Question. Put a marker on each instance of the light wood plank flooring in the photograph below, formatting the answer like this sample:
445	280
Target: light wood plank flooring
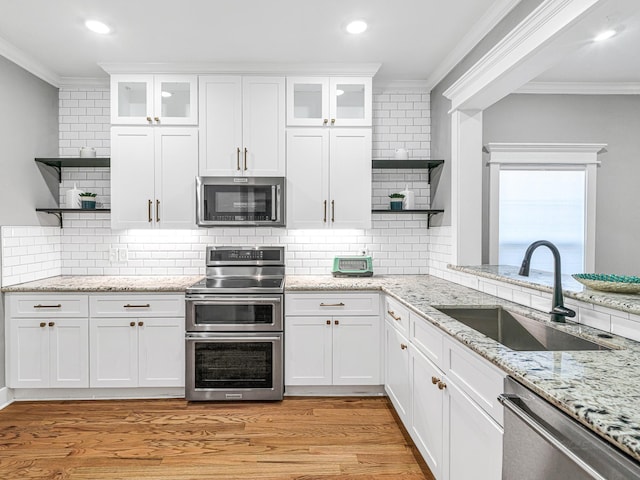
298	438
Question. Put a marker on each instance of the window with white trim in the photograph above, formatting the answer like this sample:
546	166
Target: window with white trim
543	192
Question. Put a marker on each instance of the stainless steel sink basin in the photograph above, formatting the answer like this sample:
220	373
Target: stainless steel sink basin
516	331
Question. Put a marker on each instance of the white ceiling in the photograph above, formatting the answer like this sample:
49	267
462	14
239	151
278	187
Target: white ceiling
412	39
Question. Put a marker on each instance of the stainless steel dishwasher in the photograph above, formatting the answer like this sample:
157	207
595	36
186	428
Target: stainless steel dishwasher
541	442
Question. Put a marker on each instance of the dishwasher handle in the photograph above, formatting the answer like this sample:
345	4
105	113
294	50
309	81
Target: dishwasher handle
508	400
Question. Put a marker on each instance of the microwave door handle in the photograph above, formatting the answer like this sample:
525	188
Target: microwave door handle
274	199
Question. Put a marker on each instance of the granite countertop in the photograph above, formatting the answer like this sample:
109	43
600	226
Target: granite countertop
601	389
543	281
106	283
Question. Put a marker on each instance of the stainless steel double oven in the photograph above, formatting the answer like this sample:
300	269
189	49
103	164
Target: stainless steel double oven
234	323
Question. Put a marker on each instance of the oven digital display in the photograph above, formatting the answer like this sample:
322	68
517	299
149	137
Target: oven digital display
244	255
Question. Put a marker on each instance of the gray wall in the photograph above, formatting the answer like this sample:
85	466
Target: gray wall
28	129
440	119
610	119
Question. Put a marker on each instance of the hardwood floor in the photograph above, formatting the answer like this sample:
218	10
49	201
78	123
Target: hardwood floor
298	438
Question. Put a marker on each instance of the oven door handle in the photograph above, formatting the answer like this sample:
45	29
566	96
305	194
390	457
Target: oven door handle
217	337
209	300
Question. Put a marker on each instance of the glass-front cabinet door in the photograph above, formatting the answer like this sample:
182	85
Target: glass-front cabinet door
154	100
329	101
307	101
350	101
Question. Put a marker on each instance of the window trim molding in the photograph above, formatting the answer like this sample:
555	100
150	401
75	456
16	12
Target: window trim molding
557	156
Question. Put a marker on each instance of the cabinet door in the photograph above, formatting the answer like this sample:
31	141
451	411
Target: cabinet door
113	347
132	177
351	101
307	101
220	99
69	353
28	351
356	350
307	178
474	442
161	352
307	351
397	372
131	99
350	178
176	168
263	122
427	402
175	100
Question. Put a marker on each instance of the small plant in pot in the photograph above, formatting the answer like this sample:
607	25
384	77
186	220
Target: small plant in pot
88	200
396	201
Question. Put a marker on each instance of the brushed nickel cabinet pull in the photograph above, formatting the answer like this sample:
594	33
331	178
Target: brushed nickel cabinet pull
333	211
245	158
238	158
332	304
52	324
146	305
141	324
132	324
157	210
43	324
324	219
47	306
149	210
393	315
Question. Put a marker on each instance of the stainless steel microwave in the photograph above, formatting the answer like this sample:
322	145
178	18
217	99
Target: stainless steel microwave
240	201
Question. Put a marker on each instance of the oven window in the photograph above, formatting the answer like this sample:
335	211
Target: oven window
234	365
251	202
212	314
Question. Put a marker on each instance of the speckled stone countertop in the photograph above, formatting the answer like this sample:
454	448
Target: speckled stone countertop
106	283
601	389
543	281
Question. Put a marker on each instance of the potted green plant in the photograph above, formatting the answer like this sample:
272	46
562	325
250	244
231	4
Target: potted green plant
396	201
88	200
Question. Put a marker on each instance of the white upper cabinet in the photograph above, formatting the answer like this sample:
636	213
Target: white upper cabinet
329	101
242	125
154	100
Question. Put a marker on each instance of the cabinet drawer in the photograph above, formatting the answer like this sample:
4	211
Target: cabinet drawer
474	375
332	304
396	314
427	338
47	305
137	305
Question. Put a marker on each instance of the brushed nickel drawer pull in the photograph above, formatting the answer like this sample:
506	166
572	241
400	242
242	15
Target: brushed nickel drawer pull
394	316
128	305
47	306
332	304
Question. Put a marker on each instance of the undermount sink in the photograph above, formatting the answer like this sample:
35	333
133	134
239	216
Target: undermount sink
518	332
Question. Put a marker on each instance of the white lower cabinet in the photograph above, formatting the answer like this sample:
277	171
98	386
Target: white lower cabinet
397	380
133	344
330	339
446	397
47	342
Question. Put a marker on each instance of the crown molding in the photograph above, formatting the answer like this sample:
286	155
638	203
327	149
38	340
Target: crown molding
401	85
498	10
581	88
91	82
547	20
544	153
307	69
27	62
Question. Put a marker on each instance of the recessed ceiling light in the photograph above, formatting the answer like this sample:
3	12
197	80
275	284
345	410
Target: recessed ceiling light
97	27
166	94
356	27
604	35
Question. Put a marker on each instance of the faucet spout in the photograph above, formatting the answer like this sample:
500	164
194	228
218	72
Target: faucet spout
558	310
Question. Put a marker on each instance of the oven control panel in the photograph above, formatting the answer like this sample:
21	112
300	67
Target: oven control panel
248	255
